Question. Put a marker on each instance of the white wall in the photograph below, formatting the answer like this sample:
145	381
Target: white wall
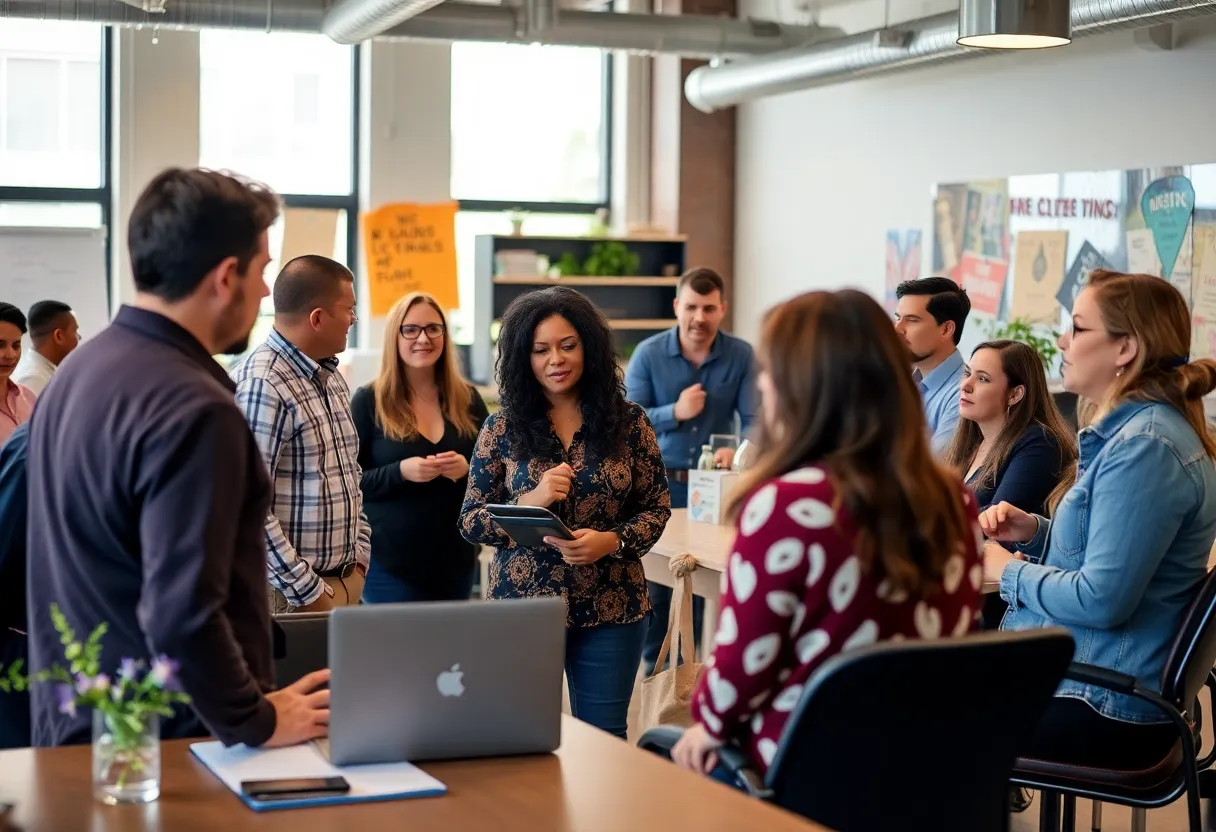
823	174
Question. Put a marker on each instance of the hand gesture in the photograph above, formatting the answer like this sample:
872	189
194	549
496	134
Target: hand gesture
587	547
724	457
554	486
454	465
421	468
690	404
1008	523
301	712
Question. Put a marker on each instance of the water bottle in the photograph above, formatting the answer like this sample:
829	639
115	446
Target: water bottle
706	462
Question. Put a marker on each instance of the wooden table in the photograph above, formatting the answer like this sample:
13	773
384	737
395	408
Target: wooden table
710	545
594	783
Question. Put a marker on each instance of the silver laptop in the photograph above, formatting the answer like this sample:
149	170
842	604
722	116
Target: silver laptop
434	681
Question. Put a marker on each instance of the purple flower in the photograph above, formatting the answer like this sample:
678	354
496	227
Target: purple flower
126	670
164	673
83	683
67	699
101	682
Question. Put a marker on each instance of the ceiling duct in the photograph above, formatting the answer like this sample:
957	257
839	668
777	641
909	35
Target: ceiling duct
354	21
687	35
932	41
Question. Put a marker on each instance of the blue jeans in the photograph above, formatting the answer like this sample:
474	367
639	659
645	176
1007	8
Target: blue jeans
601	667
383	588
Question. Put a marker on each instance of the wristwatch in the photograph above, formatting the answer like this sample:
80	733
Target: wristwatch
620	546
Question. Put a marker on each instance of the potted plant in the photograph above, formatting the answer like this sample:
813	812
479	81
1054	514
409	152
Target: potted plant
126	710
611	259
1041	338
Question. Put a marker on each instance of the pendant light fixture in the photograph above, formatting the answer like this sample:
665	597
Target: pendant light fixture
1014	24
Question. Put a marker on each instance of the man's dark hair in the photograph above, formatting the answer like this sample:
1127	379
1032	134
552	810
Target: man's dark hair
947	300
308	282
703	281
46	316
187	221
10	314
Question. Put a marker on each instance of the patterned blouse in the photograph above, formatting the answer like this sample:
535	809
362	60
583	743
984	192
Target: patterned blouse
625	493
796	595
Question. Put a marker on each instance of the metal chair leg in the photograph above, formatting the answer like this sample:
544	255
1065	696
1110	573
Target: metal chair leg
1096	823
1068	821
1049	811
1139	820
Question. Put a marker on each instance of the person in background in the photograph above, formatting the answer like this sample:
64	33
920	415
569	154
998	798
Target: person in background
417	423
289	388
147	495
17	403
14	705
1127	549
693	380
849	532
567	440
54	333
1011	442
930	315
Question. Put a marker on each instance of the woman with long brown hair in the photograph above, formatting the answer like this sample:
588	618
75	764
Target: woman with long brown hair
848	531
1127	548
1011	442
417	422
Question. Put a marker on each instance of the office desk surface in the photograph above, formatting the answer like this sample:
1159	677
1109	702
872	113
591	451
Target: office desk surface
594	783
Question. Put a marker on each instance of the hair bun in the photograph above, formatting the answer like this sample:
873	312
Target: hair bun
1198	378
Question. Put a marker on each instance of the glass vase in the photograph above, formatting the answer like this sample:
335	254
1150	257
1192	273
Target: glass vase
126	758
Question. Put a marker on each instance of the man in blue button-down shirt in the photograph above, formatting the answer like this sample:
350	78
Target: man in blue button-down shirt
929	318
693	381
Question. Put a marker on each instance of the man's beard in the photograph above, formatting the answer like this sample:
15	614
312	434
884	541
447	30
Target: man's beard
238	347
241	343
916	359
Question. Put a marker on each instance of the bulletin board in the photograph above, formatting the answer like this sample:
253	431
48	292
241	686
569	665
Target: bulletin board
1024	246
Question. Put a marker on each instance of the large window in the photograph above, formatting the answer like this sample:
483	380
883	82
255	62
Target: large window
282	109
530	124
54	108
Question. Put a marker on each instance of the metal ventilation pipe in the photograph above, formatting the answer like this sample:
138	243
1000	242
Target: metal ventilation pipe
927	41
687	35
354	21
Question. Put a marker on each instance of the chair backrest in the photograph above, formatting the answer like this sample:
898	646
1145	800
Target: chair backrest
1194	650
306	643
918	734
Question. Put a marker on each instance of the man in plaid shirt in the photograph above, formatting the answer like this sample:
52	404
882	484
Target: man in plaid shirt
298	405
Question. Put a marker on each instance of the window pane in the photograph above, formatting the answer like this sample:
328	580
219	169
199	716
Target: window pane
527	123
50	104
469	224
278	108
51	214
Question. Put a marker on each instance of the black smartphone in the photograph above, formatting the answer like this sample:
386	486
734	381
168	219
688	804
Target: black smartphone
292	788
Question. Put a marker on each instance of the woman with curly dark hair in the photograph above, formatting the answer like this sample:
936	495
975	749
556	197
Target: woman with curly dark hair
566	439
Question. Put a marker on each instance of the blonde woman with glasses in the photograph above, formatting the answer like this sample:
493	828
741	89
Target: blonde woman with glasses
417	423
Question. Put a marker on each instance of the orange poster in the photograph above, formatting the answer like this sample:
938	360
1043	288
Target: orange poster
411	248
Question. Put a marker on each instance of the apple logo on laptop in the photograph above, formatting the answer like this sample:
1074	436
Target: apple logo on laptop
449	681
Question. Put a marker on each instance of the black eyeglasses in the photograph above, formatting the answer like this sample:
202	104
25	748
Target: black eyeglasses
410	332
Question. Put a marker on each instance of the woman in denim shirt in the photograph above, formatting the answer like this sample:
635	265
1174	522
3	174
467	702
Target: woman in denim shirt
1128	546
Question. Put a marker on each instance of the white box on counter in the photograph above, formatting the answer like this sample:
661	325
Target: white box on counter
709	493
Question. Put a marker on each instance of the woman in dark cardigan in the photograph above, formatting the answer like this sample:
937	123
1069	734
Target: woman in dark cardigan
417	423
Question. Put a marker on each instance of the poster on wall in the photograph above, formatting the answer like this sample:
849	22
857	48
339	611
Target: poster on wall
949	208
1039	258
984	280
1087	259
987	225
1203	313
1166	206
1142	252
903	261
411	248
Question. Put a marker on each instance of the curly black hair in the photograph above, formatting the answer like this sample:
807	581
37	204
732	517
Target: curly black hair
601	388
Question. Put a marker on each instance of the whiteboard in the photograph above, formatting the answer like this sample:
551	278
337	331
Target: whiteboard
64	264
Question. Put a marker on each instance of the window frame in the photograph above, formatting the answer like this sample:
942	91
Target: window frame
103	195
490	206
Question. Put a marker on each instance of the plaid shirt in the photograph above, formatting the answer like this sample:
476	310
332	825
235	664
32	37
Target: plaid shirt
299	411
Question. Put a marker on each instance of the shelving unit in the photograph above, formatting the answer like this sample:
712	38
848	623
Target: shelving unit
636	306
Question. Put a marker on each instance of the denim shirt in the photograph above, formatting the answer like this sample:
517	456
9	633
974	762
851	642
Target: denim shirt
657	374
1125	554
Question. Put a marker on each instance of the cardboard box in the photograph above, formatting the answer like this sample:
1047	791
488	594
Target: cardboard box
709	493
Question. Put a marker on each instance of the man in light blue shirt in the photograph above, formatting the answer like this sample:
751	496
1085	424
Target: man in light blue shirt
929	317
693	380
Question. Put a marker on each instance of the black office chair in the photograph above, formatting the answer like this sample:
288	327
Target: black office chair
1188	668
909	735
304	648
